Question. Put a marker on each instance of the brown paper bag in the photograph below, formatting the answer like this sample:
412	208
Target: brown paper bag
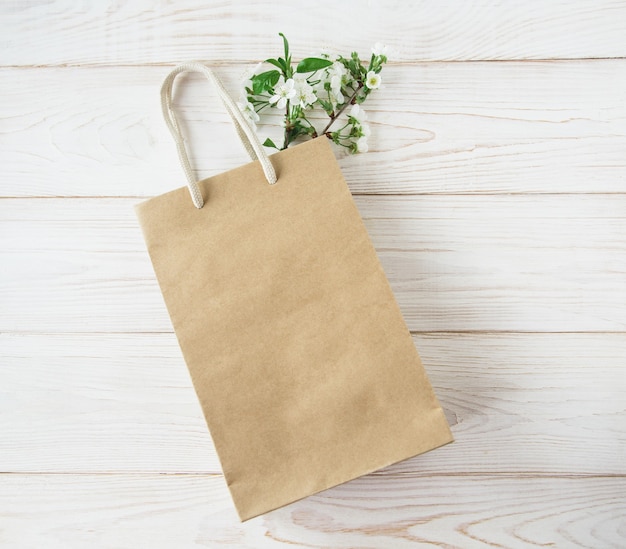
305	370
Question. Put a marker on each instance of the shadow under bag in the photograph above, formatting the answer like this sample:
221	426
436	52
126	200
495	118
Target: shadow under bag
305	370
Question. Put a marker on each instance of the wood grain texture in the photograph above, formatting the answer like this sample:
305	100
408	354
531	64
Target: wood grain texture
107	32
454	263
124	402
193	511
494	192
534	127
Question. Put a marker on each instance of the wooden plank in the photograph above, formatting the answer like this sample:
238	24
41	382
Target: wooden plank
376	511
455	263
533	403
134	32
102	440
533	127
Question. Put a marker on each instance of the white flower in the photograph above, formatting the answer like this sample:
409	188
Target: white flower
335	89
373	80
361	128
257	69
358	113
361	145
337	68
298	78
336	76
304	93
283	92
381	49
247	78
249	113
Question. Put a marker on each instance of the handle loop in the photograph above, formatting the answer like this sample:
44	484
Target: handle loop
246	134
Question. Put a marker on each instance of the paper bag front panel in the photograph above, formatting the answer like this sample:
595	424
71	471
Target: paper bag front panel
305	370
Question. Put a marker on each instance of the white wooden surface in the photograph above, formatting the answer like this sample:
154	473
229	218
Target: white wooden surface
494	192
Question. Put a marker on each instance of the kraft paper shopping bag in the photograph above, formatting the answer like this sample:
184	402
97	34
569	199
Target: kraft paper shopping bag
305	370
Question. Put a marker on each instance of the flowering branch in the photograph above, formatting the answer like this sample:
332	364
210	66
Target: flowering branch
331	84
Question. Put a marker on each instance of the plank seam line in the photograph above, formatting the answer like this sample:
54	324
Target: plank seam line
373	194
239	62
413	332
515	475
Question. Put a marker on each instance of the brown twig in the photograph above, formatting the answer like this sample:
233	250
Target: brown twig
343	108
285	143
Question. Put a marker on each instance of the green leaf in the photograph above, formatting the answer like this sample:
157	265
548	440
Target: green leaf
285	44
269	143
264	81
311	64
280	63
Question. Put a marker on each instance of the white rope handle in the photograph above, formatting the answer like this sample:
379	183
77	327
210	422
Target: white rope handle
247	135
